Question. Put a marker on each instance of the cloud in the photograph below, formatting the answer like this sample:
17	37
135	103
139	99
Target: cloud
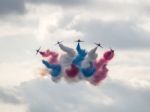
8	96
130	65
119	24
15	48
117	34
13	73
117	93
111	96
12	6
118	27
11	101
64	3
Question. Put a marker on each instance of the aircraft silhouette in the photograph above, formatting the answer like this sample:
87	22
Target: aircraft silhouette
112	49
79	41
98	45
59	42
38	50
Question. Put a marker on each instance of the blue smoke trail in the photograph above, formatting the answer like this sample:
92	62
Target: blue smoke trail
80	57
56	68
89	71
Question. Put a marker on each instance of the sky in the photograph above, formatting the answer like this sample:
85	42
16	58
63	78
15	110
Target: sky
120	24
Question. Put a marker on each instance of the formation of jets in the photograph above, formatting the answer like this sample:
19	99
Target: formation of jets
78	41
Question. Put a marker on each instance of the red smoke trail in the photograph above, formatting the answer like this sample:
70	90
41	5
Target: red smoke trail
52	56
45	53
72	72
101	67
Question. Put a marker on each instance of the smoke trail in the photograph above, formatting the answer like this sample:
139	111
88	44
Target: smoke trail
68	50
72	73
45	53
88	68
101	67
53	59
43	72
51	56
76	66
80	56
66	59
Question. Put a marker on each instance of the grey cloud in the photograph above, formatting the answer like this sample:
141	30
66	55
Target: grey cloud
43	95
117	34
8	96
19	6
126	98
61	2
12	6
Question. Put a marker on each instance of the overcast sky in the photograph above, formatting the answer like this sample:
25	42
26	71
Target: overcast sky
121	24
